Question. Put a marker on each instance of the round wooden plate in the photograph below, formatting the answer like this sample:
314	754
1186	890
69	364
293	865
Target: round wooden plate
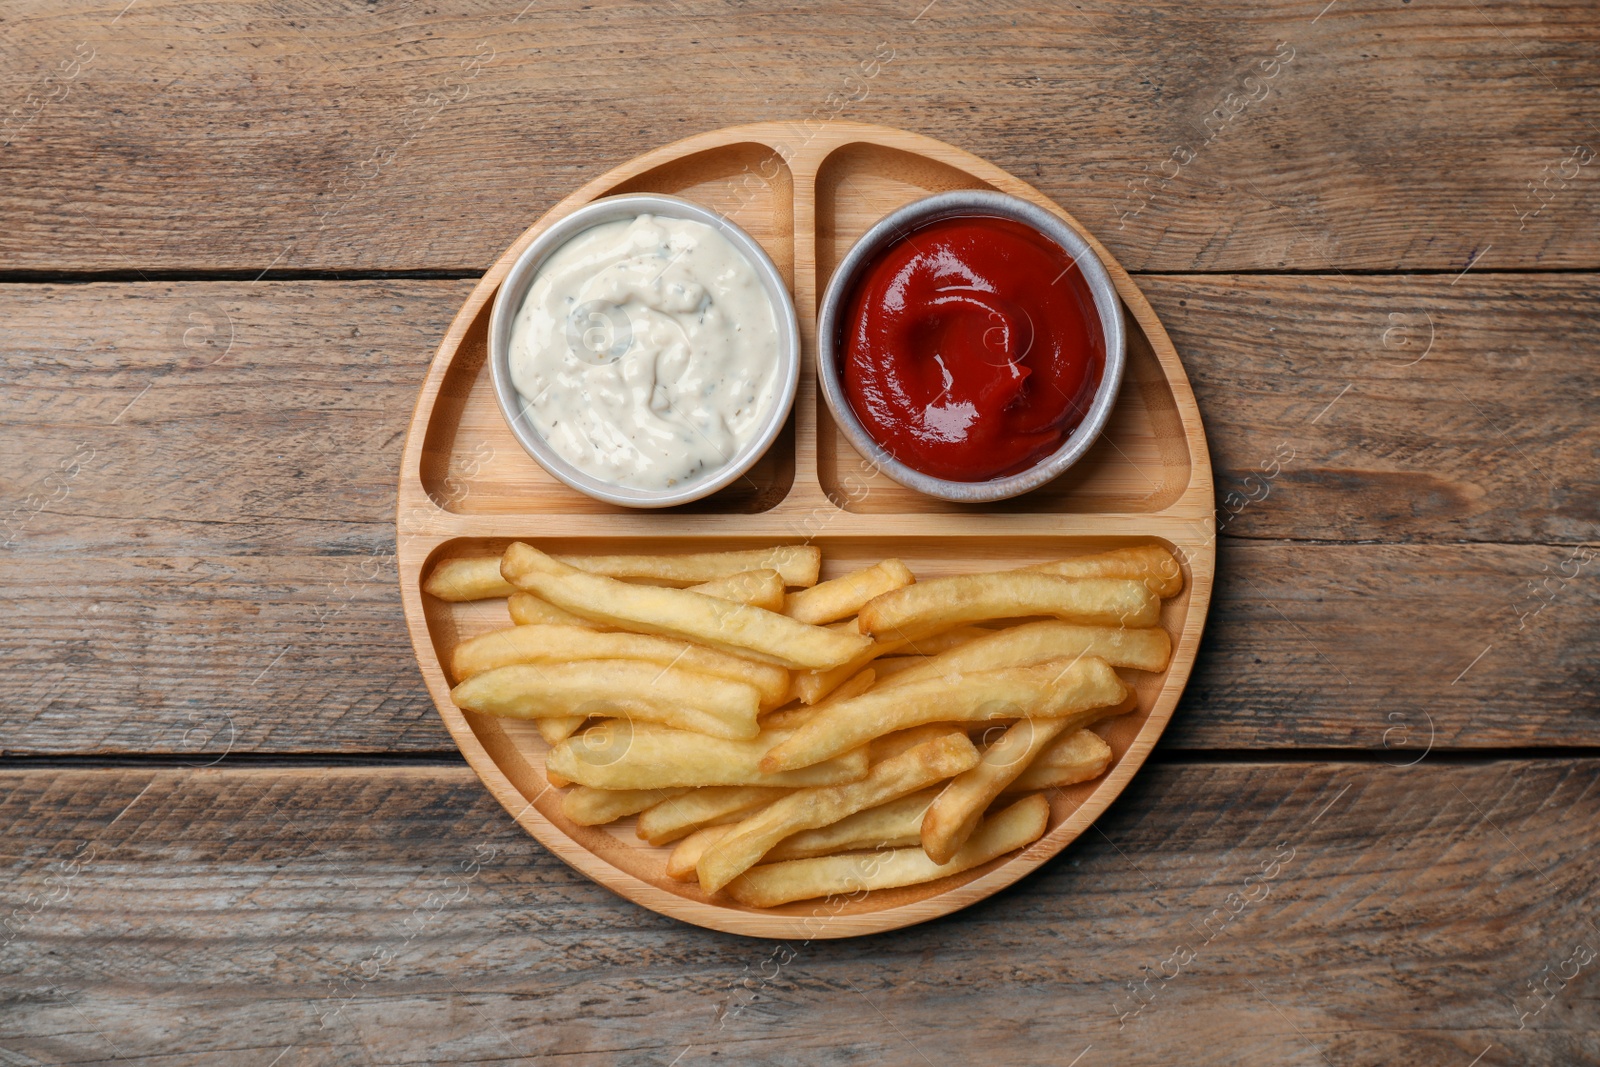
467	488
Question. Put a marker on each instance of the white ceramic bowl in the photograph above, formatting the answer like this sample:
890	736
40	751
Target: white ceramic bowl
508	301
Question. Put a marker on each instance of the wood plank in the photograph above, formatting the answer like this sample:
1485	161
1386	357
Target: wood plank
1367	136
1398	409
1396	648
1308	913
232	531
1391	648
216	467
1486	438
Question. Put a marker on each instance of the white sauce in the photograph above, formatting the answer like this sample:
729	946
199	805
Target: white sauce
646	351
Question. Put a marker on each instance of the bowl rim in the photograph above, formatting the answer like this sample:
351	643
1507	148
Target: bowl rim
952	204
513	290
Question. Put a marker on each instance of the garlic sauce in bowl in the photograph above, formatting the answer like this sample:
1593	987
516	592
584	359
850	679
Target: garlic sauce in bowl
648	356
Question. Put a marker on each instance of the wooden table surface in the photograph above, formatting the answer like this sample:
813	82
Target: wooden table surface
234	828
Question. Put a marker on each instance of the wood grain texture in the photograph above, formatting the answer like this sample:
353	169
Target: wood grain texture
391	915
1398	409
373	136
242	508
209	473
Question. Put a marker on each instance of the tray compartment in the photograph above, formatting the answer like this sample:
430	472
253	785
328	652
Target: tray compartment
471	462
1141	462
519	751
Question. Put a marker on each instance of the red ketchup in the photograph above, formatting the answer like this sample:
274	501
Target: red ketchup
971	348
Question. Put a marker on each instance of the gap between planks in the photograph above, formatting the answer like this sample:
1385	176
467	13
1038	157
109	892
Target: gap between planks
168	274
443	759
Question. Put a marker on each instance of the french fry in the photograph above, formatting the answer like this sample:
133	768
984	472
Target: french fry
954	814
685	856
596	807
890	745
798	564
943	603
838	598
806	809
935	644
557	728
738	628
1075	690
772	884
673	696
619	754
1153	565
764	589
789	718
529	610
1072	758
892	666
561	644
760	588
467	578
715	805
813	686
1036	642
897	824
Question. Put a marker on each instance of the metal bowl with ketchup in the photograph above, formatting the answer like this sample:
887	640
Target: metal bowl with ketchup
970	345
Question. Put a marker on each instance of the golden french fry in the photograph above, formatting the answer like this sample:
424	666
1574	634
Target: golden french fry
943	603
1153	565
954	814
714	805
1036	642
1074	690
889	745
467	578
596	807
764	589
772	884
812	686
789	718
686	854
897	824
619	754
893	666
561	644
738	628
1072	758
557	728
840	597
761	588
687	700
529	610
798	564
556	780
806	809
944	641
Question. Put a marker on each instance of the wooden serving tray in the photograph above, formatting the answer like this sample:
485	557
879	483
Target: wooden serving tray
467	488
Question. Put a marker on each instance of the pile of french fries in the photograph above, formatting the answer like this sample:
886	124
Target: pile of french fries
795	739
